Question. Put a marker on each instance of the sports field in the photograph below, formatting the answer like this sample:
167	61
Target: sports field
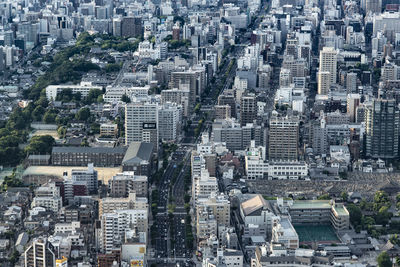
315	233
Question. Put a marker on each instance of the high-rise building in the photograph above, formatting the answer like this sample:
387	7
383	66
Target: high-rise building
248	109
351	82
324	82
283	138
228	98
141	117
40	254
382	129
328	62
353	101
131	27
169	121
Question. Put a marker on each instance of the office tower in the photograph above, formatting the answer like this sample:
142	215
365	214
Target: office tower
382	129
131	27
40	254
353	101
328	62
351	82
8	38
373	6
248	109
324	82
141	117
88	177
2	59
169	121
283	138
122	184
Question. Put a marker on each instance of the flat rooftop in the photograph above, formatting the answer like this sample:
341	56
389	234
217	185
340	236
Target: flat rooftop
311	204
341	210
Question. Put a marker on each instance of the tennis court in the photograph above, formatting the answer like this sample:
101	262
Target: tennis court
316	233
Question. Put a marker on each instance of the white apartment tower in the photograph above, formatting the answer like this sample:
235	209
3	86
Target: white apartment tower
139	115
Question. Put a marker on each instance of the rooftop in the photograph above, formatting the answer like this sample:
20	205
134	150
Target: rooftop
311	204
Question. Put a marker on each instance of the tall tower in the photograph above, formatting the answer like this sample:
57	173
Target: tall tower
328	62
353	101
141	118
283	138
248	109
382	129
373	6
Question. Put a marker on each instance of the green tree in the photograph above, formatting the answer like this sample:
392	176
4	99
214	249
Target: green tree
355	214
50	116
40	144
324	197
125	98
344	196
37	113
83	114
384	260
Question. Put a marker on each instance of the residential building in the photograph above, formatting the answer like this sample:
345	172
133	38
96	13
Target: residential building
39	254
111	204
122	184
89	177
382	119
328	62
283	138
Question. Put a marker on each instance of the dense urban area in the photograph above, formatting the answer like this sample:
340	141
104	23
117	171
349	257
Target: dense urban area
212	133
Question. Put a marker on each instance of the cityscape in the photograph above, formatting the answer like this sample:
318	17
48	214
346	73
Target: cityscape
199	133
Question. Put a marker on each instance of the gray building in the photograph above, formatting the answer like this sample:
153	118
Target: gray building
82	156
382	119
139	158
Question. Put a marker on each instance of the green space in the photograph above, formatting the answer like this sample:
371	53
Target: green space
311	233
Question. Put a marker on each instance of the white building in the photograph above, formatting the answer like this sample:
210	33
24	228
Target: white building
169	121
89	177
284	233
204	185
83	88
48	196
138	113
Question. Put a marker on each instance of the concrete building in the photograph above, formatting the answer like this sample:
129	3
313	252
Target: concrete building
218	205
82	156
382	129
139	114
283	138
324	82
328	62
222	112
83	88
48	196
139	158
305	212
353	101
248	109
122	184
39	254
203	186
89	177
111	204
169	121
284	233
109	129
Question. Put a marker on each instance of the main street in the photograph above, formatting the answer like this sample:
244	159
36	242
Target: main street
165	250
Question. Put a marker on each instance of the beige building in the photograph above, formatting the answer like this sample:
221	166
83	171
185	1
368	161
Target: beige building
328	62
108	129
219	206
122	184
110	204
